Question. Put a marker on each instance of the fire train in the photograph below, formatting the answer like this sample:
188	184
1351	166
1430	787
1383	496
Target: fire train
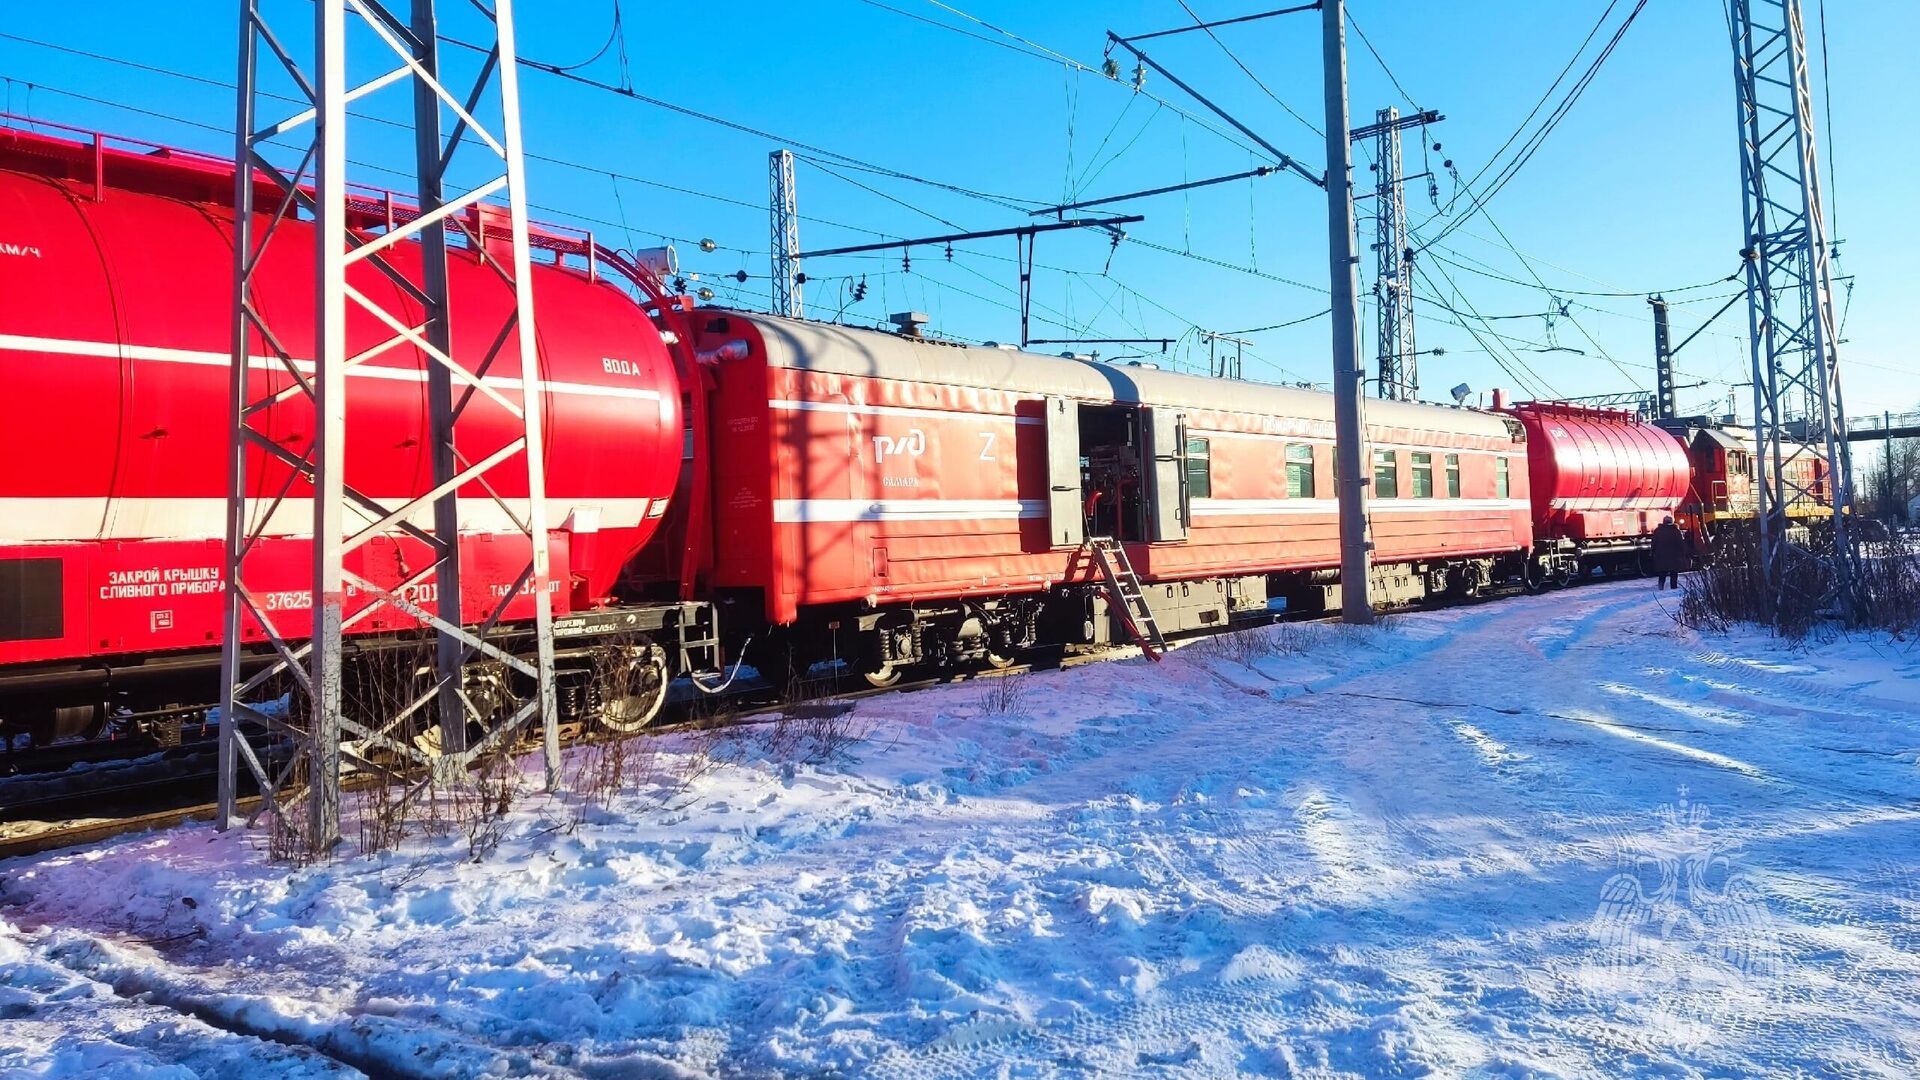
718	480
1722	500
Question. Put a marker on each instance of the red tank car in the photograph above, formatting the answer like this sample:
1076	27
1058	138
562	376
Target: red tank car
930	501
1602	480
116	269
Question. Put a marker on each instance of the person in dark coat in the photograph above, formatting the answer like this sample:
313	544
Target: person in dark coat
1669	553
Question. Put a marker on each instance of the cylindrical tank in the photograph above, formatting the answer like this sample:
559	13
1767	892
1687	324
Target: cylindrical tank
115	330
1599	475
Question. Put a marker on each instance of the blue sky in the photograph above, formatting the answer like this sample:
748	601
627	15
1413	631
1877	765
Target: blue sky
1637	189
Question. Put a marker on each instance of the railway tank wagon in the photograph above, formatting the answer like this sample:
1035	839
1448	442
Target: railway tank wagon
896	501
114	360
1602	481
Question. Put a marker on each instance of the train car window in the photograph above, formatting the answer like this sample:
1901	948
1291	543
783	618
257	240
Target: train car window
1386	474
1500	486
1199	469
1299	472
1422	475
1453	476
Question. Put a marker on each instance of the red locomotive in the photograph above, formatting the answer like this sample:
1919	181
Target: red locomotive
1722	500
832	493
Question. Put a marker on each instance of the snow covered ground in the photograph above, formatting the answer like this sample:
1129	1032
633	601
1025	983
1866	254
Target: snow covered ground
1551	836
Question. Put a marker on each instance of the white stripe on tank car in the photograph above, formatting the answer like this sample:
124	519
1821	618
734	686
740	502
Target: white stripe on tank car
110	350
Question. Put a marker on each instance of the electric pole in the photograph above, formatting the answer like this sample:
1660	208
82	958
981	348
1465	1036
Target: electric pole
1664	406
787	279
1392	263
1349	376
322	360
1796	362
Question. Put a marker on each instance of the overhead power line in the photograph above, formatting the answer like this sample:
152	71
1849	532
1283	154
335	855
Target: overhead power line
1533	142
1014	42
1377	58
221	84
1231	55
1579	292
1322	313
733	125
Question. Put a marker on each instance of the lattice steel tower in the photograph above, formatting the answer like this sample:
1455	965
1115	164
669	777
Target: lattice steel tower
1789	293
785	219
397	312
1393	269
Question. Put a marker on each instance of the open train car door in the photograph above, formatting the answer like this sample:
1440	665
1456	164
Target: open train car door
1169	502
1066	521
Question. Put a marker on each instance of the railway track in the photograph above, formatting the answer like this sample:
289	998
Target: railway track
91	812
98	804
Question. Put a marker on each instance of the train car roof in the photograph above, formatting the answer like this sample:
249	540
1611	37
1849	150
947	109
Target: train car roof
845	350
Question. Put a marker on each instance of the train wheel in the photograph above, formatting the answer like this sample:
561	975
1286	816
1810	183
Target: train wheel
999	662
67	722
1534	577
882	677
634	689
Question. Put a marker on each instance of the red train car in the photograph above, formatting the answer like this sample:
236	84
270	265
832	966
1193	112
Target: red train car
930	500
1721	497
1602	480
114	354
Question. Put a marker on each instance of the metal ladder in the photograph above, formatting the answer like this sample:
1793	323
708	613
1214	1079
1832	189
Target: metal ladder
1123	586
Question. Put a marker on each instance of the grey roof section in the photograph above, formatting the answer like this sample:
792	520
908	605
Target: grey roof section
1725	439
843	350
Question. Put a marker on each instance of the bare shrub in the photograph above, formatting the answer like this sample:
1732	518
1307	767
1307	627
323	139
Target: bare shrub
1249	647
1806	599
381	817
1003	695
484	806
381	687
605	768
815	733
1889	585
287	839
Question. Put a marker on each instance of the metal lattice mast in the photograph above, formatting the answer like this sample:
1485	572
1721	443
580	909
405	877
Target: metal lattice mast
1392	282
785	217
399	311
1789	288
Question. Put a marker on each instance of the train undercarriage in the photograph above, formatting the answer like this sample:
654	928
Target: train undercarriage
612	666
